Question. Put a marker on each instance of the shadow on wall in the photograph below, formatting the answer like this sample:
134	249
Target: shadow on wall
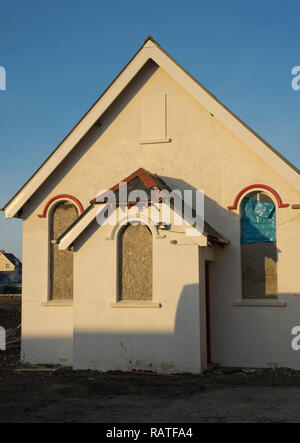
173	347
174	351
259	259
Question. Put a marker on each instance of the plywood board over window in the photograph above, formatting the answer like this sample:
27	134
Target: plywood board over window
259	270
258	247
61	262
154	118
135	263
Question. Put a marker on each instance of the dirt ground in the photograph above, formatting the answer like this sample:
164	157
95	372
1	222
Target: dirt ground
62	395
271	396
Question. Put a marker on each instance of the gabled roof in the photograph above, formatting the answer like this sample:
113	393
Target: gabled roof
152	50
155	190
10	258
142	180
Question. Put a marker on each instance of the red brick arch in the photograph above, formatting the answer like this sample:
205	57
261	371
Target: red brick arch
257	186
61	197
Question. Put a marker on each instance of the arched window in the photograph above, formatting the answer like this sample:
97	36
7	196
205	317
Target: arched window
135	263
258	246
61	262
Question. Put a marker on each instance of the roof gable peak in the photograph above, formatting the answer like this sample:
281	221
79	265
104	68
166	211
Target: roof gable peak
147	178
152	50
149	38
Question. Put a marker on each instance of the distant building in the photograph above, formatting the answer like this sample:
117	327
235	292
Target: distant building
10	268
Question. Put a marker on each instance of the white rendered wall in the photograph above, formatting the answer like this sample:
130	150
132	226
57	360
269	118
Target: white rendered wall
203	154
165	339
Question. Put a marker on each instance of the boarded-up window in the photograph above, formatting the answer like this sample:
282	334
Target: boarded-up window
135	263
61	262
258	246
155	116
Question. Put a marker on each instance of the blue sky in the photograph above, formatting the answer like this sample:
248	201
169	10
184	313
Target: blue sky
60	55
